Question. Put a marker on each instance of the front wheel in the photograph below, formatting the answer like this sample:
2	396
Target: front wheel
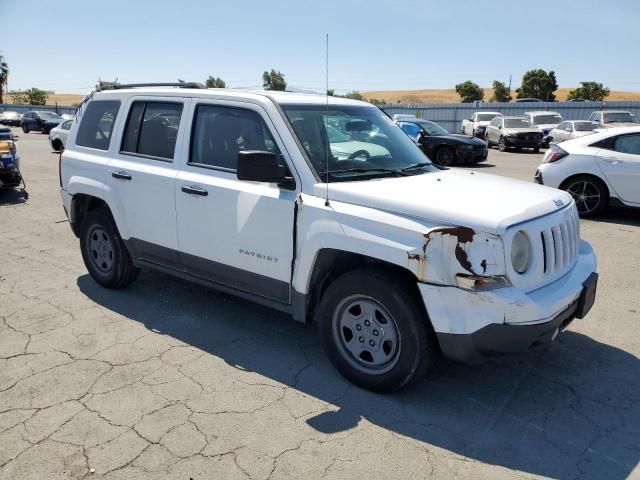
104	253
445	156
25	129
377	337
502	144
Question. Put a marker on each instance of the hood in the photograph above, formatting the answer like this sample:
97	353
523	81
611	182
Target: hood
509	131
344	149
459	138
484	202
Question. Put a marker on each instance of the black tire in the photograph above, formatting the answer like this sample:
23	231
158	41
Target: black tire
589	187
502	145
416	346
57	145
536	150
115	269
25	129
445	156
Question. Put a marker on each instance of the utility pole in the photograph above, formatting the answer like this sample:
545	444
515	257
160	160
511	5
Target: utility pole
509	85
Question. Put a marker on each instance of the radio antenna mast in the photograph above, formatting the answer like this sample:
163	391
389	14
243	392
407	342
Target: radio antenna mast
326	122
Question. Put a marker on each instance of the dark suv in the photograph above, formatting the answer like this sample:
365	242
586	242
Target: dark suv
40	121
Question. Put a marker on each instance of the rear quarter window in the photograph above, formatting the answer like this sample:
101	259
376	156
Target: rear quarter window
96	124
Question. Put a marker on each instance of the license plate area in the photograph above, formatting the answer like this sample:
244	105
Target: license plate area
588	295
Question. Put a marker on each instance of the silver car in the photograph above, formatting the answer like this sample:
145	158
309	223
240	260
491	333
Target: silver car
59	135
614	118
572	129
516	132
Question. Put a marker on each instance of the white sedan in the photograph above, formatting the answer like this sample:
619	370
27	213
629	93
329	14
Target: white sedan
59	135
570	129
597	170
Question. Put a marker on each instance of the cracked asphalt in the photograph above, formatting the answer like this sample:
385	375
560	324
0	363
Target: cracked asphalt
169	380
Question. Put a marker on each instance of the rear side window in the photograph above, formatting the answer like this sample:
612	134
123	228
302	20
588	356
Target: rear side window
628	144
152	129
97	124
219	133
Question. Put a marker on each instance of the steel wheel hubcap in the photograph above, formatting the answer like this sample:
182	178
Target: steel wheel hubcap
366	335
586	195
100	249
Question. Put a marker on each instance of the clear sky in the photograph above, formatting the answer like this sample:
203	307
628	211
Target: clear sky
65	45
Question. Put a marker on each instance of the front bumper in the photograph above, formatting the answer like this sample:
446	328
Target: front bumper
472	326
472	156
522	142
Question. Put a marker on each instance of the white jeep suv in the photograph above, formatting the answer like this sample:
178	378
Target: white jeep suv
395	259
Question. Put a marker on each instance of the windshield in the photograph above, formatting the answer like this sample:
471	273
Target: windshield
517	123
49	116
487	117
433	128
547	119
585	126
620	117
362	142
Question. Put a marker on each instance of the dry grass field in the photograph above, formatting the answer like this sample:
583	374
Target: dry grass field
450	95
389	96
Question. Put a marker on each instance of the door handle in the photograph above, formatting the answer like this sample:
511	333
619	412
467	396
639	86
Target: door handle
194	191
615	161
121	175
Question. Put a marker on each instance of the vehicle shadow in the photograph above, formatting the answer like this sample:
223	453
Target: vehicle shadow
570	412
618	215
13	197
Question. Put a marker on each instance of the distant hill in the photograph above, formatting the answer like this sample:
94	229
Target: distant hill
450	95
63	99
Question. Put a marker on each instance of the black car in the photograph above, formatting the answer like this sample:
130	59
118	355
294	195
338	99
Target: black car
442	147
40	121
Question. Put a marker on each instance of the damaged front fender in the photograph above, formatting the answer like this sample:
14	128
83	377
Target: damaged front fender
449	251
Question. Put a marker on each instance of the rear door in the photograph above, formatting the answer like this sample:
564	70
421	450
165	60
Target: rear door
232	232
142	174
620	163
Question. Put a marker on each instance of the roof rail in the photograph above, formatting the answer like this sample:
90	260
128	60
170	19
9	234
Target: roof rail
119	86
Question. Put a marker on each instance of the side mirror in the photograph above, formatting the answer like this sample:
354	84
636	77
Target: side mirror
260	166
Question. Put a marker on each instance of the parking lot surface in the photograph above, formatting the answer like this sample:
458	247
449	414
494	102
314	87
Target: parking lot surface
170	380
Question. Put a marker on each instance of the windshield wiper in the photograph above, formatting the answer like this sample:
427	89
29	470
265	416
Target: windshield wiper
365	170
414	166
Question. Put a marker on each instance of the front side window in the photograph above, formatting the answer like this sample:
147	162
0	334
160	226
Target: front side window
219	133
152	129
375	145
96	124
628	144
66	125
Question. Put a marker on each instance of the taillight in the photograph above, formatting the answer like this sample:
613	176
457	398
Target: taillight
554	154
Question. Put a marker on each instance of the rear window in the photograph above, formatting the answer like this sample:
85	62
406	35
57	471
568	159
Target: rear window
96	124
152	129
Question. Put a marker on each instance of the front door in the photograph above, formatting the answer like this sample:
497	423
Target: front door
621	166
232	232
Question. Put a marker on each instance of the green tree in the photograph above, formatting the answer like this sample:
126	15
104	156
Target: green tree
331	92
593	91
33	96
4	76
354	95
538	84
376	101
500	92
469	91
215	82
273	80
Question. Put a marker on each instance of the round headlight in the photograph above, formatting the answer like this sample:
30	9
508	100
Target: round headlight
520	252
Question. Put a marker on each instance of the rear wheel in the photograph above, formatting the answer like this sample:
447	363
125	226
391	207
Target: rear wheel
57	145
104	253
536	150
377	337
25	129
590	194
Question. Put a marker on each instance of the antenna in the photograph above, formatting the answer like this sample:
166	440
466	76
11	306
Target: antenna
326	120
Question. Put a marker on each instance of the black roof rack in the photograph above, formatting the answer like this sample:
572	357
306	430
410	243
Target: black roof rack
119	86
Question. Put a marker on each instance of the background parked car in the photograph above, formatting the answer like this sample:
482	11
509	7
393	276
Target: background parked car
11	119
614	118
442	147
40	121
59	135
477	124
68	116
545	122
572	129
517	132
528	100
598	169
